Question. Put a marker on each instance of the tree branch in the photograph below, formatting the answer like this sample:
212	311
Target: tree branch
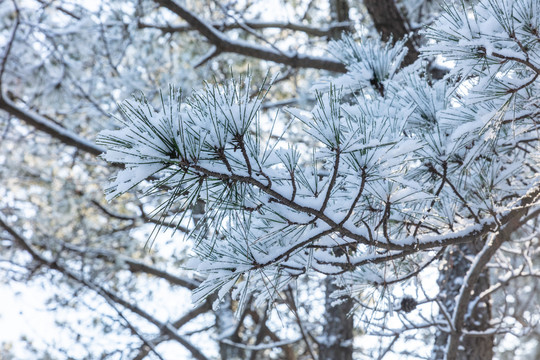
259	25
225	44
134	265
56	131
490	248
146	348
469	234
143	216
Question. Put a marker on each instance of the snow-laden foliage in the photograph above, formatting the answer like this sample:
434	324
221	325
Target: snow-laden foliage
403	164
369	62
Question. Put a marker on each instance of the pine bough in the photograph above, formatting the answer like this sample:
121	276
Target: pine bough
401	167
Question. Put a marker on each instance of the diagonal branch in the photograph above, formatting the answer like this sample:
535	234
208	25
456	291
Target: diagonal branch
224	26
146	348
56	131
135	266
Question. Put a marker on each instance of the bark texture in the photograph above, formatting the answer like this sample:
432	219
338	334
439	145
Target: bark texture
339	13
390	23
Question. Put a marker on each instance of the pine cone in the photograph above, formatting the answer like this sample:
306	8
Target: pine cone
408	304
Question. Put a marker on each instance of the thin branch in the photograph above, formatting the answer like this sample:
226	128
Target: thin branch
258	25
133	328
259	347
412	273
201	309
294	309
247	28
389	347
332	182
62	9
212	53
144	216
134	265
525	62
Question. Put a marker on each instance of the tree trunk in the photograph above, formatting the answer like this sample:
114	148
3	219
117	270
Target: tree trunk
390	23
453	268
337	340
339	13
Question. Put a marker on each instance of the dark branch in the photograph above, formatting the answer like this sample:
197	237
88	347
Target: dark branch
258	25
107	294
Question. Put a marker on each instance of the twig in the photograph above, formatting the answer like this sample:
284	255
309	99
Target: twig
259	25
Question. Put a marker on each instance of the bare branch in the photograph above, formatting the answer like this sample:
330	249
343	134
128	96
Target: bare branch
143	216
258	25
134	265
146	348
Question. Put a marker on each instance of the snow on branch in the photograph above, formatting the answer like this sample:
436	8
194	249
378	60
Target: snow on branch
400	165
